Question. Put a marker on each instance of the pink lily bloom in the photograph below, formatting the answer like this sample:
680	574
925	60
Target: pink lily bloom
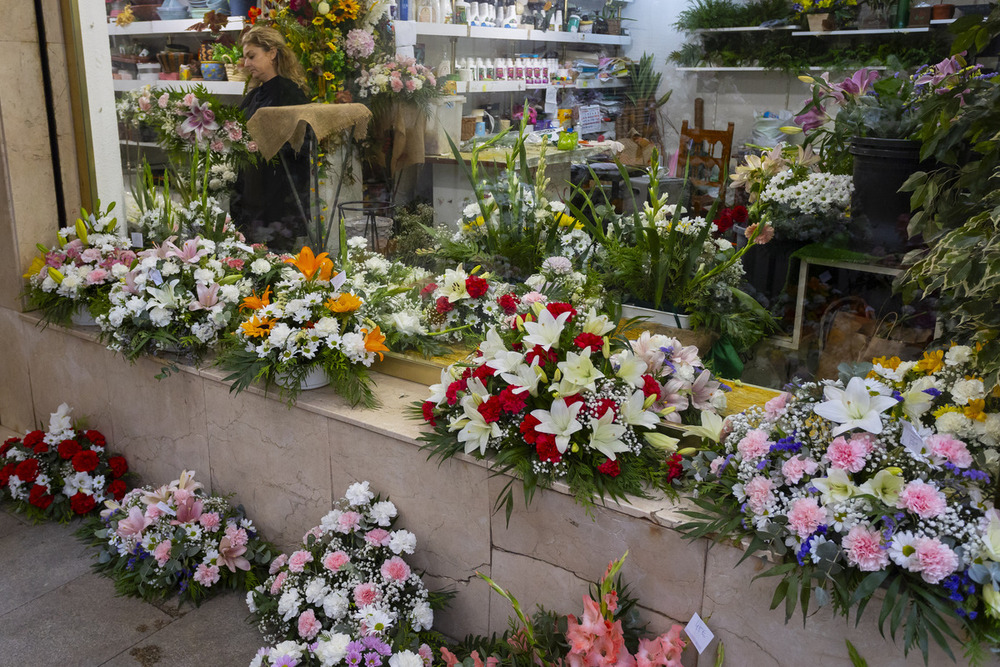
199	121
208	296
134	524
188	253
188	511
232	557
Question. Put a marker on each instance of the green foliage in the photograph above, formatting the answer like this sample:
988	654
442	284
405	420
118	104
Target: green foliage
411	236
703	14
644	82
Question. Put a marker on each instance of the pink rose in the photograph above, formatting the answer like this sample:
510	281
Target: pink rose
336	560
145	104
252	146
933	559
847	455
206	575
277	563
209	521
366	594
795	467
297	561
309	627
235	133
758	493
954	451
163	100
804	516
278	581
865	549
396	569
922	499
753	445
377	537
162	552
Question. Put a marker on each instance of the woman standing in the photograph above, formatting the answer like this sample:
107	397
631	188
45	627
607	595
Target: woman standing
270	204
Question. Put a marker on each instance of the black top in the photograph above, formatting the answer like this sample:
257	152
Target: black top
265	204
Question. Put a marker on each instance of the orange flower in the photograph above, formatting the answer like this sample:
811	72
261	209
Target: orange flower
974	410
255	302
311	265
374	342
258	328
345	303
931	362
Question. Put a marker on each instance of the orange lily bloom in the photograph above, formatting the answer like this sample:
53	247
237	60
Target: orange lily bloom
319	266
255	302
345	303
375	342
258	328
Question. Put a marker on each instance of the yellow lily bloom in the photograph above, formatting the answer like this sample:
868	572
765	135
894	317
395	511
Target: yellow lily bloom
37	264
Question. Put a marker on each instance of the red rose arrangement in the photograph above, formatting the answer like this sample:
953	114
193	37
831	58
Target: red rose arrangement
62	473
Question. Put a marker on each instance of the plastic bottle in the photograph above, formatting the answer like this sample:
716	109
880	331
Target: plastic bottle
461	15
509	64
445	13
473	15
404	10
425	12
499	70
480	70
902	14
519	69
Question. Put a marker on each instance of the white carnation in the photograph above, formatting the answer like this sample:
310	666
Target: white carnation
402	541
383	512
359	494
406	659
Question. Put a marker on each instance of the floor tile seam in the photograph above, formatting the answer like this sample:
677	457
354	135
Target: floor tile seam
46	593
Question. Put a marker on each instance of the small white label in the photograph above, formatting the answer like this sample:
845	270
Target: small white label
911	439
699	633
136	239
165	508
155	276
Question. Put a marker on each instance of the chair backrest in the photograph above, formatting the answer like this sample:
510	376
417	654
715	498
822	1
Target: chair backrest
705	154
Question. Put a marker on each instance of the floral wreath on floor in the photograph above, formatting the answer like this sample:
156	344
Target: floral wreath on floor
885	482
548	400
311	320
346	592
60	474
177	539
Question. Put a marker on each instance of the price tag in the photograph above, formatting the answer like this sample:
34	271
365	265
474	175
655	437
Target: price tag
155	276
136	239
911	439
699	633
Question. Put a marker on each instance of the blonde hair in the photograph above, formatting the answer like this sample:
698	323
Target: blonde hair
286	63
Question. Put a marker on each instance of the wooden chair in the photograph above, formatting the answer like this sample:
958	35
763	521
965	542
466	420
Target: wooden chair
705	155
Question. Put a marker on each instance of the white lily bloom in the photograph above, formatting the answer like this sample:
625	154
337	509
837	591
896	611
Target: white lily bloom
836	486
560	421
546	331
453	285
492	345
606	436
597	324
476	433
506	361
631	368
854	407
633	413
523	378
578	373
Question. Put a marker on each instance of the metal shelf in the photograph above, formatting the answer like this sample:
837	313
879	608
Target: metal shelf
166	27
878	31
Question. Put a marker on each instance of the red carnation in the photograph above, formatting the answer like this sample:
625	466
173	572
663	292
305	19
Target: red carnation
27	470
96	438
41	448
68	449
467	373
484	372
443	305
40	496
573	398
609	468
674	467
557	308
546	448
81	503
650	386
118	466
585	340
509	303
5	473
476	286
542	355
7	444
117	489
490	409
33	438
428	410
527	428
605	404
453	389
739	214
511	402
427	291
85	461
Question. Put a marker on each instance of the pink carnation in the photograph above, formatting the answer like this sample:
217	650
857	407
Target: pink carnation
716	464
378	537
297	561
336	560
426	654
795	467
775	407
804	516
235	133
758	492
922	499
533	297
865	550
206	575
278	563
217	146
163	100
396	569
145	103
153	512
278	581
162	552
410	86
366	594
396	83
237	536
754	445
846	454
315	531
90	255
348	522
933	559
252	146
309	627
947	447
209	521
866	440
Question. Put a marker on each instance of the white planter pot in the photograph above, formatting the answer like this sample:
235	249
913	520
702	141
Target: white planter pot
314	379
81	317
667	319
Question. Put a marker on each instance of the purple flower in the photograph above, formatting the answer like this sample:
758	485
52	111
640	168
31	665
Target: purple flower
285	661
811	119
855	85
198	121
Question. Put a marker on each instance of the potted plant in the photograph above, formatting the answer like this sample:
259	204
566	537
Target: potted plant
641	111
824	15
230	56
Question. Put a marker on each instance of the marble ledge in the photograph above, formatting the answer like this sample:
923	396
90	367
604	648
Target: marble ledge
389	421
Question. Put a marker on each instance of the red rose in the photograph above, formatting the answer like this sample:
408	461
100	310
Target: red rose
85	461
527	428
7	444
739	214
33	438
509	303
40	496
442	305
5	473
118	465
723	222
557	308
81	503
490	409
476	286
68	449
27	470
428	409
117	489
511	402
650	386
96	438
609	468
427	291
585	340
546	448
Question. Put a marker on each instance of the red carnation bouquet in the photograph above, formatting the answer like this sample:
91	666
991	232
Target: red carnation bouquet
62	473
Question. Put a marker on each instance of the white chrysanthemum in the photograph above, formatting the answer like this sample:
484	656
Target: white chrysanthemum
260	266
952	422
292	649
327	326
335	605
289	604
330	650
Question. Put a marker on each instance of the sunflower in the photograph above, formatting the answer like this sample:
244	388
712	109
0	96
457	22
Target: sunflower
346	10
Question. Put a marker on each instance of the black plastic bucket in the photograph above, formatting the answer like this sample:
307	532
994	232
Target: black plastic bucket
878	209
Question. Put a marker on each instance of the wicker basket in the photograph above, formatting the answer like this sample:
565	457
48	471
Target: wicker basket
171	61
234	73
